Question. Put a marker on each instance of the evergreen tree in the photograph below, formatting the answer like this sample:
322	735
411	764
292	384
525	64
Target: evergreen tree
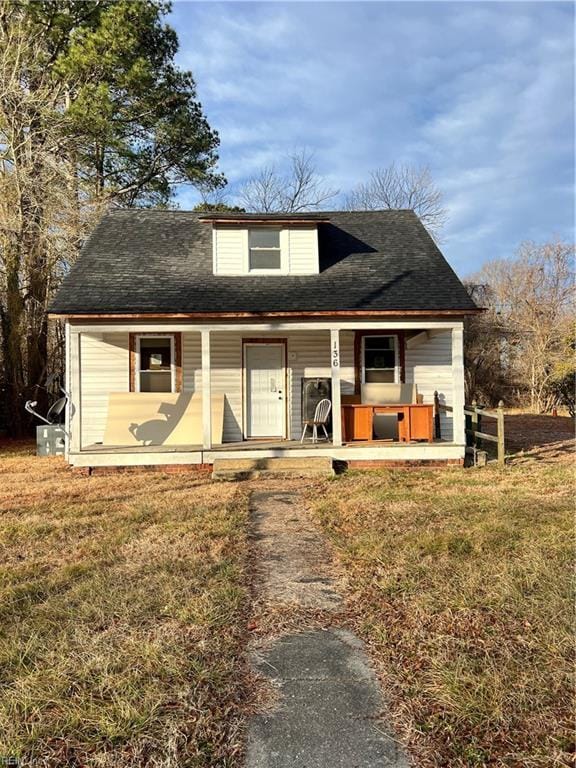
93	113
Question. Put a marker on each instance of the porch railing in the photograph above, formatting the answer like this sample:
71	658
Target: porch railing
476	413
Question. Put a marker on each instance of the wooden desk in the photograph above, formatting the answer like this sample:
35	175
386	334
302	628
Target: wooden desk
415	421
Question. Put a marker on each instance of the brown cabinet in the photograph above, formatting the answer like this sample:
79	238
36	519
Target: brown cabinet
421	422
357	422
414	421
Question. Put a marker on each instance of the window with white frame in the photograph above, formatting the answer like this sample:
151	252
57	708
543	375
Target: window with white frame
379	359
264	250
156	368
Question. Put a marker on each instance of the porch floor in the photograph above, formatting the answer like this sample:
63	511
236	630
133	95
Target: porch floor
384	450
251	445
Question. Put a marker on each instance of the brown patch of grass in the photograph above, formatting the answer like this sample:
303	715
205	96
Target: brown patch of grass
123	607
271	621
460	586
535	437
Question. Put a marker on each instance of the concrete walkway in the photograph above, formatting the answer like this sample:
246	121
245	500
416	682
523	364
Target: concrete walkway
329	710
293	559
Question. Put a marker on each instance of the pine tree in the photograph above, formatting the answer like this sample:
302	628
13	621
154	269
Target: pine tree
93	113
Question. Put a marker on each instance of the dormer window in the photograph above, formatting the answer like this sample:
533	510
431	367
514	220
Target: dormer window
265	243
265	254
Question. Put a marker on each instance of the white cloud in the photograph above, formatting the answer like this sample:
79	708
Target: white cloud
482	92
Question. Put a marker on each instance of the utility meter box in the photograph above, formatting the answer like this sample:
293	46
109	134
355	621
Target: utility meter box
50	440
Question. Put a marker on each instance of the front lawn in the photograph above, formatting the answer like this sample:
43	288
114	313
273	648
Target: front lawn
460	583
122	603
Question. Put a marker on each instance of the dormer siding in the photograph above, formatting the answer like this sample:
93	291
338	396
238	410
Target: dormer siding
230	250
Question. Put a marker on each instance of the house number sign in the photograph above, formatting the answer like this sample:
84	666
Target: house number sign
335	355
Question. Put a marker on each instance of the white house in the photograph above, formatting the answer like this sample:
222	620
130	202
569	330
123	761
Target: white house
191	337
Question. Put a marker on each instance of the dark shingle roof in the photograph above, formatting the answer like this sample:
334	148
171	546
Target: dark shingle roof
156	261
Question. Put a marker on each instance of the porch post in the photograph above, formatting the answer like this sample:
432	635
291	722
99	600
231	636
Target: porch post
74	382
335	369
206	392
458	425
67	387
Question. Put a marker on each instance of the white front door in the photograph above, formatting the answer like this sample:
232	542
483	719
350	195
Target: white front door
265	398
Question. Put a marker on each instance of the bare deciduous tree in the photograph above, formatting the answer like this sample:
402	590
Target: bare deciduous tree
530	310
485	377
403	186
300	189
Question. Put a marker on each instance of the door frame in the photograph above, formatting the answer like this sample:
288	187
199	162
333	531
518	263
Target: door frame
274	341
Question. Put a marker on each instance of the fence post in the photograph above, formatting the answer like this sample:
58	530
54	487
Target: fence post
437	434
501	444
475	441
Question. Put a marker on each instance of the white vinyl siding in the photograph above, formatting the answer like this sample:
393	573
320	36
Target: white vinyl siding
429	366
191	362
226	375
229	246
308	356
312	352
105	368
303	251
299	251
226	378
104	361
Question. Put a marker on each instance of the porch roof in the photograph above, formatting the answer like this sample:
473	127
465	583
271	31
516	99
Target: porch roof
158	261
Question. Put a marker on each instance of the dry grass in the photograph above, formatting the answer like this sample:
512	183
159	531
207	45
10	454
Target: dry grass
123	607
461	586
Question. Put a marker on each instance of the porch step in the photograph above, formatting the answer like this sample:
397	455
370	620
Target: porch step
248	469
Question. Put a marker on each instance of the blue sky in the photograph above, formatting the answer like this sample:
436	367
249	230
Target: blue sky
483	93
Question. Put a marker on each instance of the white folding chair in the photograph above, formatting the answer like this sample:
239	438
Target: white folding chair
320	419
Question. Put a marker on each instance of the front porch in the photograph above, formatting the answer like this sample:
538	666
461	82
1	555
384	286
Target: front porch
244	385
99	455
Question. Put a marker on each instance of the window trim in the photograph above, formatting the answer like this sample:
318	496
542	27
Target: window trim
396	367
175	360
358	354
283	249
139	370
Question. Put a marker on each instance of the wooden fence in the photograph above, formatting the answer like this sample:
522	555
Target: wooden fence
477	413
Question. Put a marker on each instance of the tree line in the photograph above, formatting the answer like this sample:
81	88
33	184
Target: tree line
301	188
95	113
522	348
